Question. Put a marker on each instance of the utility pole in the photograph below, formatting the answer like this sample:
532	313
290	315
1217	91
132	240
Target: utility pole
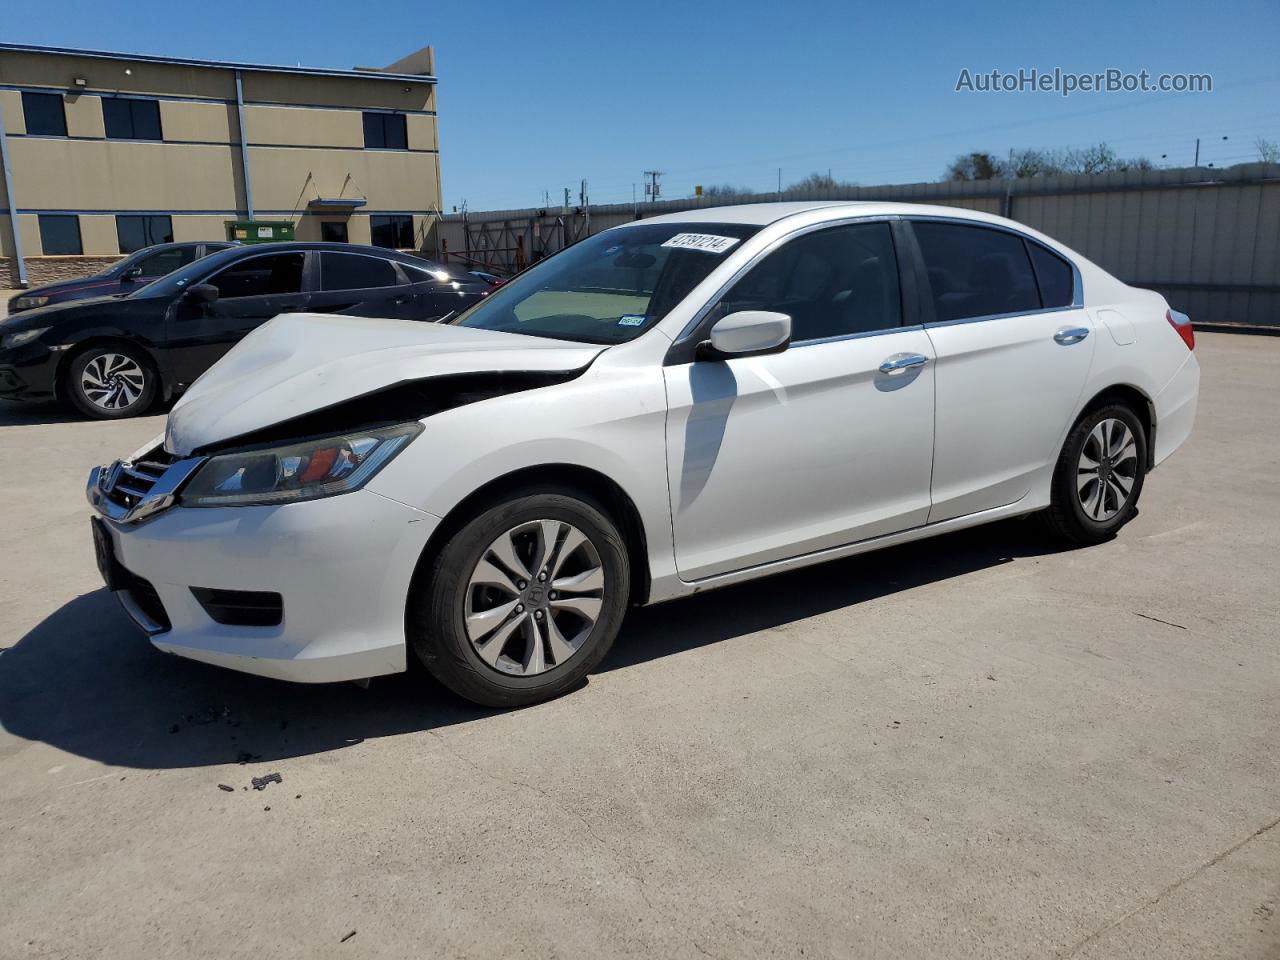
1197	163
653	189
586	210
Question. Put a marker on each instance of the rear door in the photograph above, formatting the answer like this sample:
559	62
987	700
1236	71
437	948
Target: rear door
1013	351
361	285
251	291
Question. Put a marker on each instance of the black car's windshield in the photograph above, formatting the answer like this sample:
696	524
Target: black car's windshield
609	288
172	284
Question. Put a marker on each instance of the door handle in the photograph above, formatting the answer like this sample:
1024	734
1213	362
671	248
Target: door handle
1070	335
903	361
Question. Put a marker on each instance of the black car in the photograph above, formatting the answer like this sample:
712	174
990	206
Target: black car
126	276
111	357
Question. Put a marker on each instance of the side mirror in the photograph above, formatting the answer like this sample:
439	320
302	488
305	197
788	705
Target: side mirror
747	333
133	273
203	293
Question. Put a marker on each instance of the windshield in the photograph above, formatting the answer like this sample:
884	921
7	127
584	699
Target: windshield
609	288
172	284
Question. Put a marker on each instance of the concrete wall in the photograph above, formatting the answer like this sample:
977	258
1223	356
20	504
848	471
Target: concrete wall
1209	240
305	141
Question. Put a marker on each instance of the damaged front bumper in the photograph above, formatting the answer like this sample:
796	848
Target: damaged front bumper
340	568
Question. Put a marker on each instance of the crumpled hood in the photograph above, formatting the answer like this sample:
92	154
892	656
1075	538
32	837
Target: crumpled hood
301	362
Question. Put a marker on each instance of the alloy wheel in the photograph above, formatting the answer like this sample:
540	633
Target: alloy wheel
1107	469
112	381
534	597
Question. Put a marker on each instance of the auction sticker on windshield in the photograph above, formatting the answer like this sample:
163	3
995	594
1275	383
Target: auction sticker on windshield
706	242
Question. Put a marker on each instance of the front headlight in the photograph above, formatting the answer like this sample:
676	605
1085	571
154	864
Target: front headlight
27	303
11	340
300	471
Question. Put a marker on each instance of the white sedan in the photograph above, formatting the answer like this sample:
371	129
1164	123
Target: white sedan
666	407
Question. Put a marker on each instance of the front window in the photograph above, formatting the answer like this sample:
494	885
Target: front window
612	287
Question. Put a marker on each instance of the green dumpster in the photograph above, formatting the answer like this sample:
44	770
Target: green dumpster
259	231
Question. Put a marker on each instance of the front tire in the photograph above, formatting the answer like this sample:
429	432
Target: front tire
1099	476
523	601
111	382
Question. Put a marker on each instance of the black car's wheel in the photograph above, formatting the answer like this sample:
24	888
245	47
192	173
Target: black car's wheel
522	601
111	382
1099	476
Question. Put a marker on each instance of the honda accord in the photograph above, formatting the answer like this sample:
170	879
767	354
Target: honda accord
666	407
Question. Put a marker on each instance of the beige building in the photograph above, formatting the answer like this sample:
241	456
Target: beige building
106	152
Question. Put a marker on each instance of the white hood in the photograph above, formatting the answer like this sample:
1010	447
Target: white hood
300	362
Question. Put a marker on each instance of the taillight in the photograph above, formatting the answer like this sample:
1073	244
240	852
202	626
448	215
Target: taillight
1183	327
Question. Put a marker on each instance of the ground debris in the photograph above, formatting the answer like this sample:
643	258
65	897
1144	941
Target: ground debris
229	789
347	937
260	783
1167	623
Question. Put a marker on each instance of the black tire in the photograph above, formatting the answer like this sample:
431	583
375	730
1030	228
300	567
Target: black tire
1067	517
435	619
108	405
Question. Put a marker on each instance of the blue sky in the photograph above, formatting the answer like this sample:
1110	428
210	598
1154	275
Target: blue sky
536	96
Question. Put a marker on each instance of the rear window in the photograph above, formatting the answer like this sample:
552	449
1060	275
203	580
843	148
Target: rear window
976	271
349	271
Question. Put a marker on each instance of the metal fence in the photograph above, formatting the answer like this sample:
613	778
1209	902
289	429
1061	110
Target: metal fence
1208	239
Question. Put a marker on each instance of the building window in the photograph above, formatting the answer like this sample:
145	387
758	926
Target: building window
136	232
60	234
127	119
385	131
331	231
393	230
44	114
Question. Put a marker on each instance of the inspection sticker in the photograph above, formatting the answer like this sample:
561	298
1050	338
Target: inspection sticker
706	242
631	320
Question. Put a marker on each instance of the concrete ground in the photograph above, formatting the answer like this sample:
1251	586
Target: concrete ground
970	747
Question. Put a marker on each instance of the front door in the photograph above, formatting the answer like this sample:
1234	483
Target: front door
821	445
250	292
1013	355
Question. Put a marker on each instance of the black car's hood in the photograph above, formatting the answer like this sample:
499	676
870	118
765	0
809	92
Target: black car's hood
67	310
83	285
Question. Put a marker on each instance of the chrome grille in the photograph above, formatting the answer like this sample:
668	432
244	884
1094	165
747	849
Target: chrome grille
135	480
126	491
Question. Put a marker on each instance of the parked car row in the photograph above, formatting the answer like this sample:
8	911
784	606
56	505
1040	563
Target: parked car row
136	337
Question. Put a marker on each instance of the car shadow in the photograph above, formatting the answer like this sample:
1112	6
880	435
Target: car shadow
19	414
85	681
721	615
40	413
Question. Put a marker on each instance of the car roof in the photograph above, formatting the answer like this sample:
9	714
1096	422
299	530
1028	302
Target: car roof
284	246
762	214
186	243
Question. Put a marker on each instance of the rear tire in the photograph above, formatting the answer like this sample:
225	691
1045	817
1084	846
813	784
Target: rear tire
1099	476
523	601
111	382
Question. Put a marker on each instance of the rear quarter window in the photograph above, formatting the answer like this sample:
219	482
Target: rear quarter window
1056	278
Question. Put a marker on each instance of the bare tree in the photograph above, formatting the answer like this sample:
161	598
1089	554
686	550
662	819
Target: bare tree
982	165
1268	150
725	191
819	181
